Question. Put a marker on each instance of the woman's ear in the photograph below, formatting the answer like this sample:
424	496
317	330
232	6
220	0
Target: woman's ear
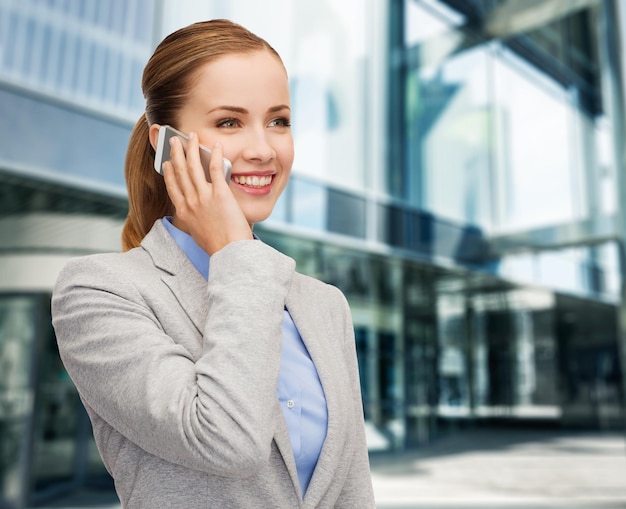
153	134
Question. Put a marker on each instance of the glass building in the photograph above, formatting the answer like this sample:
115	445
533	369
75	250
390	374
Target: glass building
458	175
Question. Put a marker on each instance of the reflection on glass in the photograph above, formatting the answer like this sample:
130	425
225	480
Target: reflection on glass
420	355
91	150
428	19
391	387
84	52
534	138
309	204
17	337
452	365
56	417
452	141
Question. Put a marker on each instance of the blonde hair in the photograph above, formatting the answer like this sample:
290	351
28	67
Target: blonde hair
167	80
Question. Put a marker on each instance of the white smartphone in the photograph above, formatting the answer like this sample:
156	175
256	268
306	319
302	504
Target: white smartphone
163	152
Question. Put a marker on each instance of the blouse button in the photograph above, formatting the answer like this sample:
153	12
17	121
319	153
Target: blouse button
291	403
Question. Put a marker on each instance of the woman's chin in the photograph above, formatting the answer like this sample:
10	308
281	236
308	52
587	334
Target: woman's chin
256	214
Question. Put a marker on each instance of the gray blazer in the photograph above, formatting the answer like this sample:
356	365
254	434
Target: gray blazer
179	377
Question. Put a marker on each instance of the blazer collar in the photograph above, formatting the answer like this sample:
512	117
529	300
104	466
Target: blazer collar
183	279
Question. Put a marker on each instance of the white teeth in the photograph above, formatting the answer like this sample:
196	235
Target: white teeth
253	181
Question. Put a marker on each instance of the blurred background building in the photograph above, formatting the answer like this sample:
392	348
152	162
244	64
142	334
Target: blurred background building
459	174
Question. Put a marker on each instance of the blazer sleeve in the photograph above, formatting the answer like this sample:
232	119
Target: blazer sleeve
357	491
214	414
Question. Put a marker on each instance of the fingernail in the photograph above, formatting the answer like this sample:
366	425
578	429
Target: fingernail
218	144
192	135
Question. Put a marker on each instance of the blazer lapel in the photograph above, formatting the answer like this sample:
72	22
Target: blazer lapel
179	274
283	443
317	339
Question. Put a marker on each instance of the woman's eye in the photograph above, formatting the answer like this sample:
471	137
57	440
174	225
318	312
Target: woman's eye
280	122
227	122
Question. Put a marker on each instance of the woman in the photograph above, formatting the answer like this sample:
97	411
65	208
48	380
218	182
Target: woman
230	387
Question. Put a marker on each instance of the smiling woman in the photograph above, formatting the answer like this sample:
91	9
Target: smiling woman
214	82
199	353
246	97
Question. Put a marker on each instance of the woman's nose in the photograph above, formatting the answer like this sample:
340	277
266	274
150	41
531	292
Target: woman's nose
258	147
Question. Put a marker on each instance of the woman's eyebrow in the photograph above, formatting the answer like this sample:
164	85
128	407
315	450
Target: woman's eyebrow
234	109
280	107
243	111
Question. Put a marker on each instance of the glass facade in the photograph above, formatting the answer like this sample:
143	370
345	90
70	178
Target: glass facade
455	167
502	124
506	128
83	51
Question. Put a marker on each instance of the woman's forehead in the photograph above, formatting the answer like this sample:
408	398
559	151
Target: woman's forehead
241	77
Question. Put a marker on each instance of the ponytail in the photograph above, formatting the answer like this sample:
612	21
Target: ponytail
147	196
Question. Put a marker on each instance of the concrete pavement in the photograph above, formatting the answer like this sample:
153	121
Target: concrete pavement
507	469
501	468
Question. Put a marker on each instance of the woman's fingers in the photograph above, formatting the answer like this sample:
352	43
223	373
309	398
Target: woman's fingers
180	167
171	183
194	165
216	166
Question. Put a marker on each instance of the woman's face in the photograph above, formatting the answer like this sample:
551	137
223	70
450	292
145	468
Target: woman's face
242	100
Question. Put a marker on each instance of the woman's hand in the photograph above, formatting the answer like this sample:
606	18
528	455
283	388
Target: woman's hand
208	211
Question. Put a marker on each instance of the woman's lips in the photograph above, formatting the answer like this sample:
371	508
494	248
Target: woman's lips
254	184
255	181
